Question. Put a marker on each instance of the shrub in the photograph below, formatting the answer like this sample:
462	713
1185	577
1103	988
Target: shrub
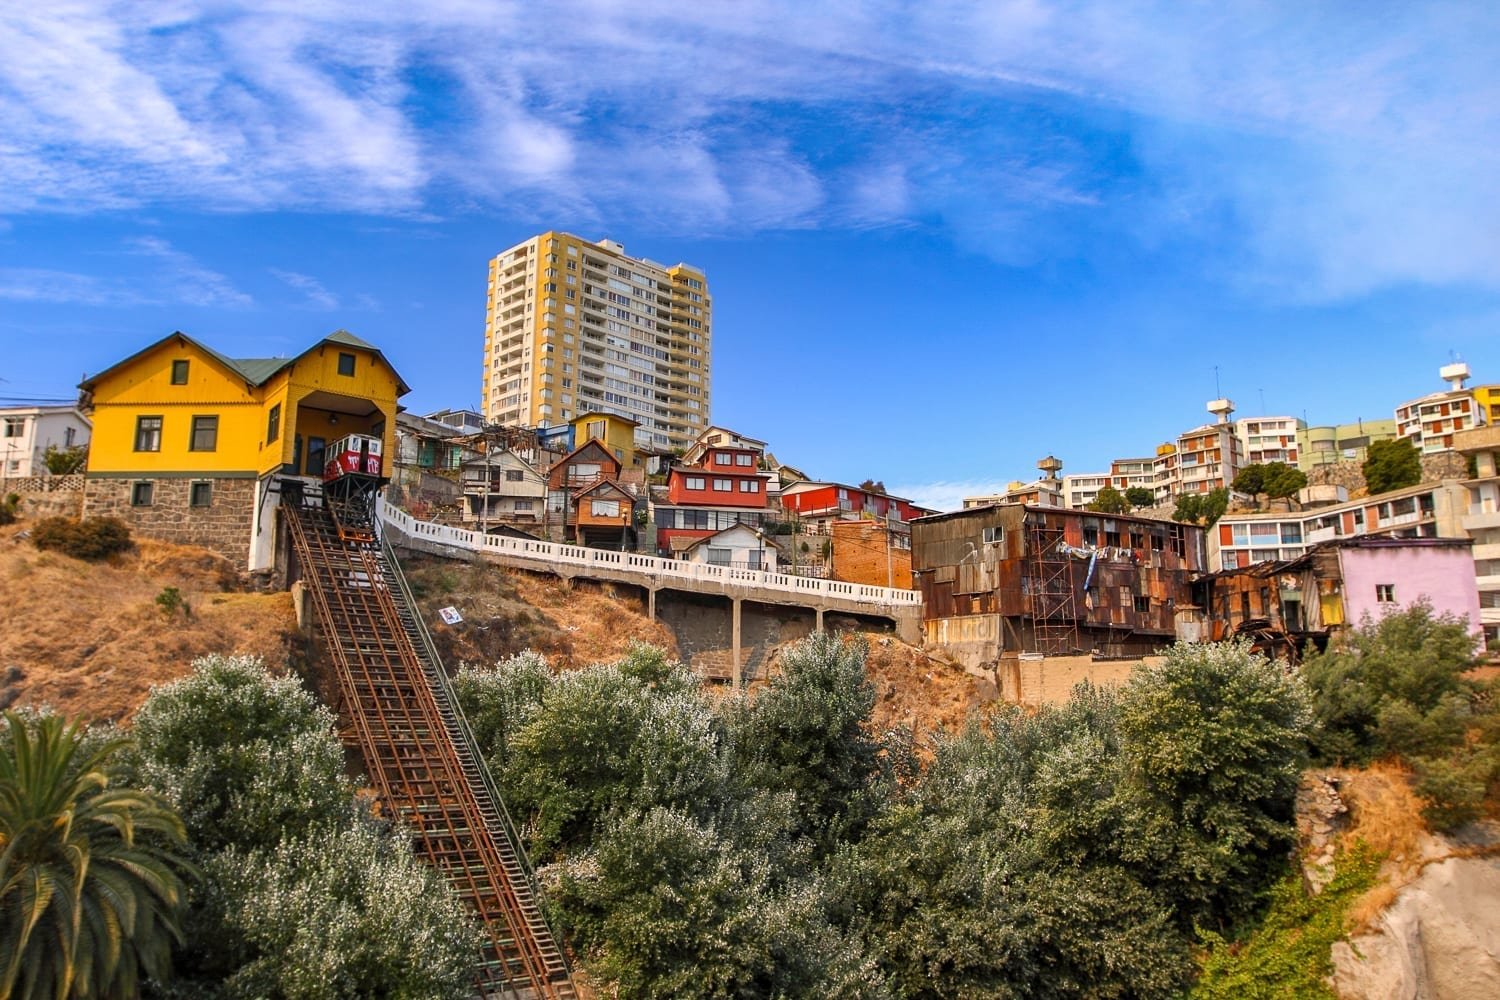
1453	788
8	508
247	758
93	539
1215	741
1287	956
170	601
1395	687
338	913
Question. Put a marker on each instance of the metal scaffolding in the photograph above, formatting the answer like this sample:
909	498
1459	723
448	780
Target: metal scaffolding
1054	605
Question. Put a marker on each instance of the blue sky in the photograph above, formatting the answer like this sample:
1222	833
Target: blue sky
943	239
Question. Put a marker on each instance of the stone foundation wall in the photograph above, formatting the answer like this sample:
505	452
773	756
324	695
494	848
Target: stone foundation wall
65	503
1351	476
223	526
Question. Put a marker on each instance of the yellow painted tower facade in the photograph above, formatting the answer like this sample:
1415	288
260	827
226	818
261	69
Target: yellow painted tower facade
573	326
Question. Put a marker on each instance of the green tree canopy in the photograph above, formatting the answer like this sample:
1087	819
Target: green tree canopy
1251	479
1140	496
1216	738
342	912
1395	686
1110	501
1201	508
247	758
62	461
91	875
1392	465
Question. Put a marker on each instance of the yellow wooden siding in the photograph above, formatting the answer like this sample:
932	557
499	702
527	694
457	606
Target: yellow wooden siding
142	387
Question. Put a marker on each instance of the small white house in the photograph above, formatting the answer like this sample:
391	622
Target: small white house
739	546
27	431
501	487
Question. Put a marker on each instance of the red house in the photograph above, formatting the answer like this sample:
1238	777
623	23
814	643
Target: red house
822	503
723	489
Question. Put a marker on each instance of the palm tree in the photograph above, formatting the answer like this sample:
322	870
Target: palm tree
90	883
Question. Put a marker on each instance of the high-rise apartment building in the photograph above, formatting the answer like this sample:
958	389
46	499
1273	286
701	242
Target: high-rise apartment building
573	327
1429	423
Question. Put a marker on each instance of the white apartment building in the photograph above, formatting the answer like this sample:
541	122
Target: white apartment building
1202	460
1269	439
27	431
1082	489
1429	423
1482	522
574	327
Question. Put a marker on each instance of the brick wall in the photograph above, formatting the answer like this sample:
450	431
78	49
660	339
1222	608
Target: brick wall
223	526
859	556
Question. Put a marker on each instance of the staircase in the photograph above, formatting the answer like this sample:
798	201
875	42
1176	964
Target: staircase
396	706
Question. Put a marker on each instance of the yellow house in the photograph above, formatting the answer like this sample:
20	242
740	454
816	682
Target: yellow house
615	432
187	442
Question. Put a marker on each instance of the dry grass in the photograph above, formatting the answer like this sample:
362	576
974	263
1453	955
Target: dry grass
597	622
914	690
506	611
91	639
1386	814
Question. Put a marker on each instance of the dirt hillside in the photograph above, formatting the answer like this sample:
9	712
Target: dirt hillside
89	639
507	611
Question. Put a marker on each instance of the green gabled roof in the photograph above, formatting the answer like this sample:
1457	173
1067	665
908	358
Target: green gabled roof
350	340
256	371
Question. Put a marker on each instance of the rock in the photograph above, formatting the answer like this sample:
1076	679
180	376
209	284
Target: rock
1440	939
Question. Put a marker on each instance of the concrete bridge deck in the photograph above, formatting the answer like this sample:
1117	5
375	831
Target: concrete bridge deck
653	574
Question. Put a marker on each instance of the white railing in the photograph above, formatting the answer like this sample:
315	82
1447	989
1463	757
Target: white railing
578	555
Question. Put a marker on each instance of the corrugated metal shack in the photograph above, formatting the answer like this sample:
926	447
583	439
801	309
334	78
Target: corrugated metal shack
1054	581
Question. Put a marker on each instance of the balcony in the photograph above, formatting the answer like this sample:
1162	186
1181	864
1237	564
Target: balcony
1481	520
1488	583
1322	535
1490	550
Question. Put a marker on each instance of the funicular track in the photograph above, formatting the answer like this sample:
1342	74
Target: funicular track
396	706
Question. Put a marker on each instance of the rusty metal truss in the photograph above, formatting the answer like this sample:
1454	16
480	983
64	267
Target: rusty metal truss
396	707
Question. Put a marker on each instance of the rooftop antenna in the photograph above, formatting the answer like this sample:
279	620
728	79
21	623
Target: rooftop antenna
1218	393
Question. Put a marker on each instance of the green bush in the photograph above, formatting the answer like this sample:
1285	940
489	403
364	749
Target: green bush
93	539
1453	788
1396	686
339	913
8	508
247	758
1287	955
1215	740
170	601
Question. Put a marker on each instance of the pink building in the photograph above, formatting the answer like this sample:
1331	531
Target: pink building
1380	574
1290	603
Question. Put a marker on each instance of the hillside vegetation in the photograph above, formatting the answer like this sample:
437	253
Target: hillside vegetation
89	639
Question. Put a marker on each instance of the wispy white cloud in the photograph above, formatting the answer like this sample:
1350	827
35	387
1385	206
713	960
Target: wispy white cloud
318	297
166	276
1346	152
29	284
181	278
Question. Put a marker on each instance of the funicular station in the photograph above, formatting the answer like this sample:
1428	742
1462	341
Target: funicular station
277	464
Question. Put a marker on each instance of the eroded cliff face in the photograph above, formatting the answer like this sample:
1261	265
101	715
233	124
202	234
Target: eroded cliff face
1438	940
1430	928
